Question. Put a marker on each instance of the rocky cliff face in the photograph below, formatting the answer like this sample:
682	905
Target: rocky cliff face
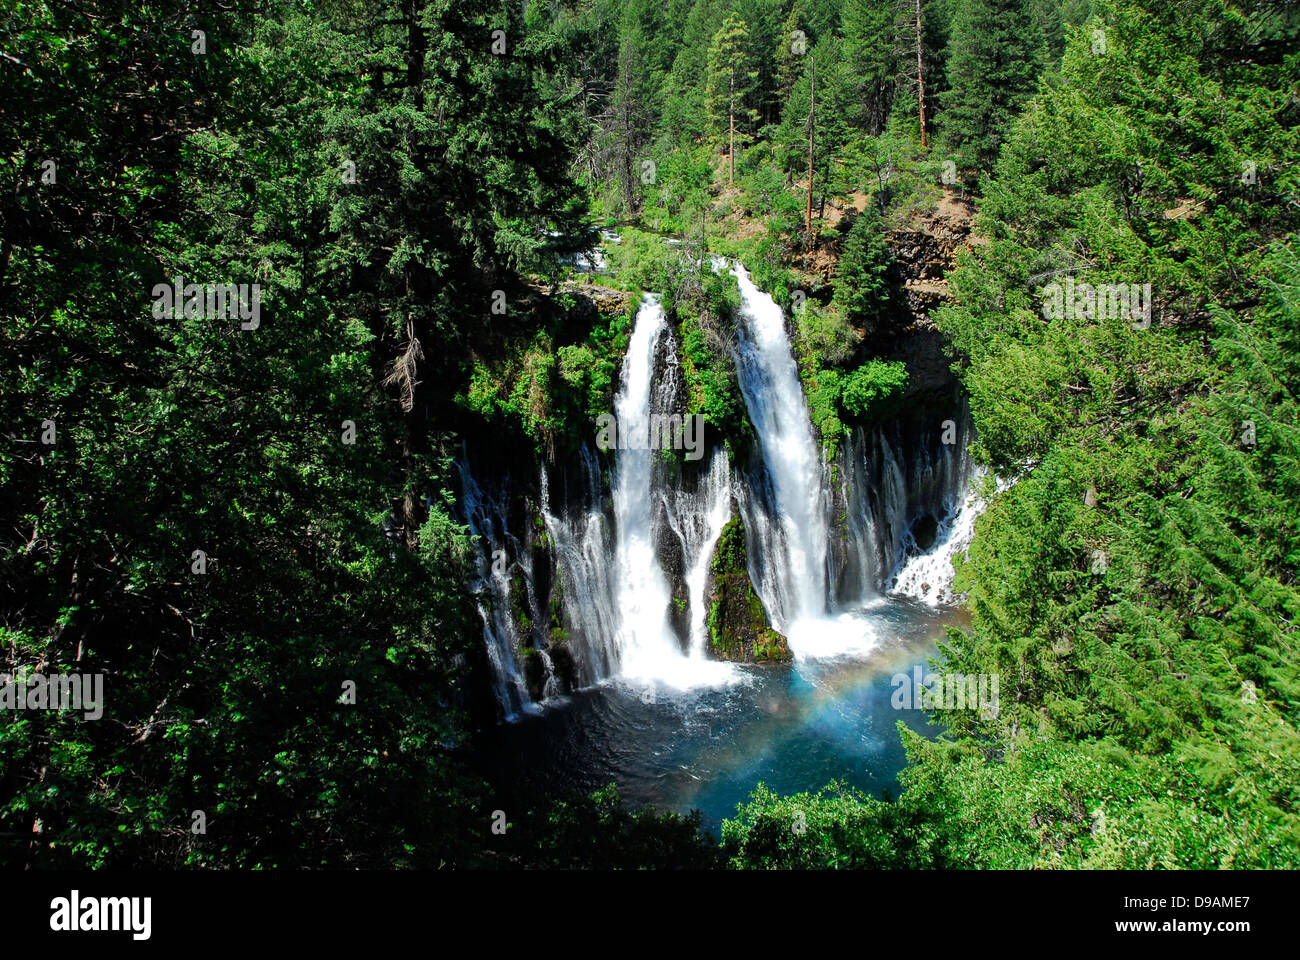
925	250
738	626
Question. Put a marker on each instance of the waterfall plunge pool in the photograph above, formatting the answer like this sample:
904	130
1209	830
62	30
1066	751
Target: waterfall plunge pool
794	727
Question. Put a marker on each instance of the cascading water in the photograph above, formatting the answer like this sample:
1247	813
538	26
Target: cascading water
792	575
908	509
645	641
883	490
928	576
696	518
691	509
633	562
631	535
486	518
583	541
617	593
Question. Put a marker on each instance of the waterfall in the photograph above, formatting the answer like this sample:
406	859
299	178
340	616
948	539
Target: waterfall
691	509
618	597
645	641
696	518
928	576
486	516
583	541
791	574
899	486
631	550
908	508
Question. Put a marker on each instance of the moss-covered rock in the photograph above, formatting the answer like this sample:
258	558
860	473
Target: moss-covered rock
520	607
562	663
738	626
563	667
534	673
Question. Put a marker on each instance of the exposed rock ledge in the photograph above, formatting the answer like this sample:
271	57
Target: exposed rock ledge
924	251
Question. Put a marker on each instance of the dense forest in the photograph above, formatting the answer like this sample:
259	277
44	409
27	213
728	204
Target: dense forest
248	520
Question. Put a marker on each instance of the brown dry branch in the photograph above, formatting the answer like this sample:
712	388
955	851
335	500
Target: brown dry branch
402	373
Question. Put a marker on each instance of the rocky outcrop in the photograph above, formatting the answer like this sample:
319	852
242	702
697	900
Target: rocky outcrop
924	251
668	550
606	300
738	626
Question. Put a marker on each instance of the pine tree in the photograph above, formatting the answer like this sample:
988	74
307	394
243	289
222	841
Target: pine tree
814	137
994	53
868	29
792	45
732	81
861	289
630	118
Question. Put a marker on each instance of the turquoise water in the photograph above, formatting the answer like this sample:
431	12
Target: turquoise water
793	727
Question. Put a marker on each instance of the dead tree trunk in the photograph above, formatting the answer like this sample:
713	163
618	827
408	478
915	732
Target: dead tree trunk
731	123
812	134
920	76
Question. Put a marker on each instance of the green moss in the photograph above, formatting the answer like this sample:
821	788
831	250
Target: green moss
709	370
518	598
729	552
737	622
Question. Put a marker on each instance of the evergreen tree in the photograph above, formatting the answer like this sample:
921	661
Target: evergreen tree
994	54
732	82
631	116
861	290
207	525
868	29
817	111
792	45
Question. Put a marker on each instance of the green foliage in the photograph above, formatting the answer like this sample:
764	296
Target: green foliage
825	334
703	304
1135	589
861	290
873	381
837	398
731	82
552	395
177	434
729	553
836	828
641	261
677	199
994	56
871	52
1138	581
823	391
598	832
826	67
